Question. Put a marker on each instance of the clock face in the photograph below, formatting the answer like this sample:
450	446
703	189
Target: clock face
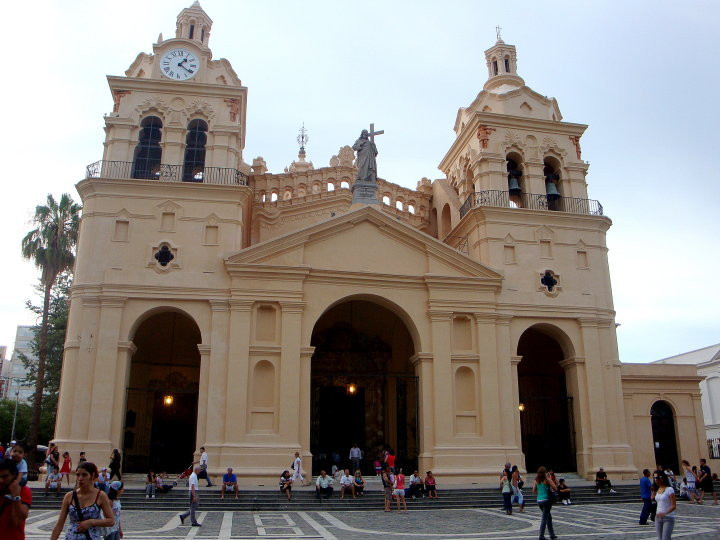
179	65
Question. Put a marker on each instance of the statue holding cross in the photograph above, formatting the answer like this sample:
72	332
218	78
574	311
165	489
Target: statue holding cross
366	152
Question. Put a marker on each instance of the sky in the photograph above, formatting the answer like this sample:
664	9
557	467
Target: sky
644	75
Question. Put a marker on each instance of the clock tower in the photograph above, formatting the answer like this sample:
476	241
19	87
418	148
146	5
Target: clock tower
174	100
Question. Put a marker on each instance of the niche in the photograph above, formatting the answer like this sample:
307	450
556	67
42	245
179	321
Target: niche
462	336
465	401
122	230
167	221
265	323
212	235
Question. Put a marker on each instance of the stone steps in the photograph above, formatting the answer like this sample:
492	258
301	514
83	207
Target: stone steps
305	500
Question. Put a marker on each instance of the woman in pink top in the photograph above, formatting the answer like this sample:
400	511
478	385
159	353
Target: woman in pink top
430	486
399	490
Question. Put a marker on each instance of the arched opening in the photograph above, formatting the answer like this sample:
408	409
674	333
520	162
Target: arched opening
515	180
445	223
363	387
551	172
434	223
546	412
386	199
162	394
194	167
146	160
662	419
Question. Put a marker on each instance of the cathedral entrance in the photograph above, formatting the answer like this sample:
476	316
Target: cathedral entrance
162	395
363	387
546	412
663	430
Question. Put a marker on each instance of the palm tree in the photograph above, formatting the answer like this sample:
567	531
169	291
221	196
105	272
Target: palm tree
50	245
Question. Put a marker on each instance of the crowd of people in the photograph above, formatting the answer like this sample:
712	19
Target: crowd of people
94	510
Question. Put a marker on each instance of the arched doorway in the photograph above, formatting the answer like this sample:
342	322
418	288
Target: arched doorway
363	387
546	419
162	394
664	440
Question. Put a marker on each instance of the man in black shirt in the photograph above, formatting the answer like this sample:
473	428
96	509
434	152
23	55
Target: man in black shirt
602	482
706	482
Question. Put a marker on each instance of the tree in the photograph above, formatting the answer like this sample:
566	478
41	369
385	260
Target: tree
57	327
50	245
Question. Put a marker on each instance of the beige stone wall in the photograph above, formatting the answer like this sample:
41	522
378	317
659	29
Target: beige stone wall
643	385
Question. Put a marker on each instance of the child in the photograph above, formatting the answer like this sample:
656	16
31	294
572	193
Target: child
82	459
54	481
378	467
399	490
103	480
66	466
430	485
114	532
18	456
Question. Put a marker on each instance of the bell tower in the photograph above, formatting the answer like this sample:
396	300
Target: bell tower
194	24
178	113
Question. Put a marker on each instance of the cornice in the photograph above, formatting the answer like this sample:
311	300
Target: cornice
143	189
292	307
421	358
162	86
204	350
219	305
127	347
306	352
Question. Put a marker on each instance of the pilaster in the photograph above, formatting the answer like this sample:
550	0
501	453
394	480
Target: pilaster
289	373
423	363
441	330
125	352
214	380
304	382
203	398
238	370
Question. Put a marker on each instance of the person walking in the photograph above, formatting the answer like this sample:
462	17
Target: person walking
544	487
297	476
84	506
666	505
204	466
706	482
646	496
114	466
690	480
387	483
517	483
193	491
506	490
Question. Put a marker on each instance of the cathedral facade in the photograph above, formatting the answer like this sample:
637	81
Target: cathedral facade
465	323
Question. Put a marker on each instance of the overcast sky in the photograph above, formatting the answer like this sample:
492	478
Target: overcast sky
643	75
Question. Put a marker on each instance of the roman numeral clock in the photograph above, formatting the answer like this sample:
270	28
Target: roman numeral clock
179	65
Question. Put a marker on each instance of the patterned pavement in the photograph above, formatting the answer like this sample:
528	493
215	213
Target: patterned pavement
595	521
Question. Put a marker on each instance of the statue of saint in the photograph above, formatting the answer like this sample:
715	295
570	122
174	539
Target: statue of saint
366	152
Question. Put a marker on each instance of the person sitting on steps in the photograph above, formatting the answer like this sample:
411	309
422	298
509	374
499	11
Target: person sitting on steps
602	482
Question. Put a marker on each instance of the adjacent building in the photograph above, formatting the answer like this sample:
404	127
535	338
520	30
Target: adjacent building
13	370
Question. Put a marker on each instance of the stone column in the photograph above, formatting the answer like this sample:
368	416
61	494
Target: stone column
85	370
304	382
517	431
423	363
236	386
214	375
534	177
577	387
441	329
106	370
488	367
204	412
63	421
289	373
125	351
506	378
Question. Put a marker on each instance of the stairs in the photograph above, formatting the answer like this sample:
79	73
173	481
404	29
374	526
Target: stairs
305	500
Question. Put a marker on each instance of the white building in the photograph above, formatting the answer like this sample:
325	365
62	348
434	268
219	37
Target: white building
13	370
707	361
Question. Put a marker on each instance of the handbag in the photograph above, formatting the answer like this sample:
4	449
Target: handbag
76	503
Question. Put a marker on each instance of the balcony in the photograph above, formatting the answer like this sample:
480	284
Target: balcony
126	170
531	201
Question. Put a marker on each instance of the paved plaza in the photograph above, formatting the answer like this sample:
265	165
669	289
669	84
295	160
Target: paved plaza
597	521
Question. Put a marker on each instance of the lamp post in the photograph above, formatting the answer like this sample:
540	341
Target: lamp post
17	399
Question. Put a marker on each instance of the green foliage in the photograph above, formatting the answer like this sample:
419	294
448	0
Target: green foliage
57	326
24	414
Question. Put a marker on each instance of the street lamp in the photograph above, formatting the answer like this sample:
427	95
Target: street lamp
17	398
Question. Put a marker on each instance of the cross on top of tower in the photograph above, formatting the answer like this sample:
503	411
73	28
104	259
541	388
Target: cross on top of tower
303	137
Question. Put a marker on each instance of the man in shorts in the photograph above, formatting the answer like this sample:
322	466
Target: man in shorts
706	482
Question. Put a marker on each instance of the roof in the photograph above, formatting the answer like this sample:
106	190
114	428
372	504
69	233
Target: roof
698	356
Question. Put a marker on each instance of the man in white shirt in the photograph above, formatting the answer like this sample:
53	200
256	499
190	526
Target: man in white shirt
193	489
345	483
297	476
324	485
204	466
416	486
355	457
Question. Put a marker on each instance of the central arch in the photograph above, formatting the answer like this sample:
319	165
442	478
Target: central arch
546	417
363	386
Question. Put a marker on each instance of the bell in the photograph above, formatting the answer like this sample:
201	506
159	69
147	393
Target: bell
514	186
551	189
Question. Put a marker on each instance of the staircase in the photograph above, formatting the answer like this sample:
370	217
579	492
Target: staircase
305	500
